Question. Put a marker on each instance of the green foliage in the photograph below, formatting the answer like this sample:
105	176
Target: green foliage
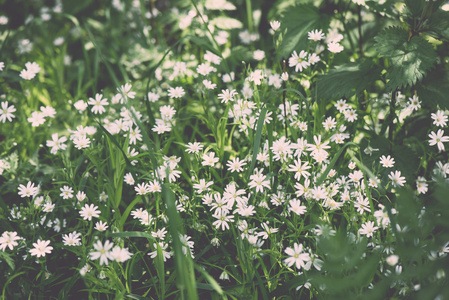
347	80
434	89
410	58
346	270
297	22
179	245
438	25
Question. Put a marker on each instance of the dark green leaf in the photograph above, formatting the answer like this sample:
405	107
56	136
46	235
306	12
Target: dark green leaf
347	80
7	258
438	25
410	59
434	89
298	21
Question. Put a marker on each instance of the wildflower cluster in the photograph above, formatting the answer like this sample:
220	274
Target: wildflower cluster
130	175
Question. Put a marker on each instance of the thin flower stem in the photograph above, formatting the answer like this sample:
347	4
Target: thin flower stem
391	116
359	25
284	64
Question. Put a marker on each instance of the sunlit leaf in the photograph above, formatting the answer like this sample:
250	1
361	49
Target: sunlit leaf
347	80
410	58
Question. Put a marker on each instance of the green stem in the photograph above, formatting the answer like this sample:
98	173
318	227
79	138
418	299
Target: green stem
249	15
391	116
359	25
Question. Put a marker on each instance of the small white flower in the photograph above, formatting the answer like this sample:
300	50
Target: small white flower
41	248
275	25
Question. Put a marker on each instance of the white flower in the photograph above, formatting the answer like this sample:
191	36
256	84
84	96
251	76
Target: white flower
415	104
48	207
89	211
421	185
72	239
222	220
368	229
102	252
299	61
80	105
33	67
119	254
66	192
126	90
41	248
316	35
259	55
334	47
296	258
129	179
258	181
27	74
392	260
176	92
56	143
81	142
6	112
153	97
37	118
256	77
209	159
387	162
396	178
202	186
296	207
227	95
8	239
235	165
98	104
275	25
142	188
204	69
300	169
439	119
313	58
29	190
209	85
101	226
165	254
438	139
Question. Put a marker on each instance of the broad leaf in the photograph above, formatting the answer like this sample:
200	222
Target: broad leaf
434	89
438	25
385	8
347	80
298	21
410	59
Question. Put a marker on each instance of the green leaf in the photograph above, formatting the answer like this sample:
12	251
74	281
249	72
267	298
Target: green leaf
410	59
434	89
239	54
257	138
298	21
386	7
7	258
186	281
74	7
213	284
347	80
438	25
